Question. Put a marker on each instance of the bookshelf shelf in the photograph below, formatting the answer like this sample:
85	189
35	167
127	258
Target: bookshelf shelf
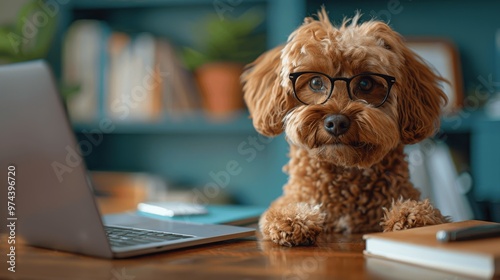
113	4
198	123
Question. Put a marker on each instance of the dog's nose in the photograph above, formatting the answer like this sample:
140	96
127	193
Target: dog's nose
337	124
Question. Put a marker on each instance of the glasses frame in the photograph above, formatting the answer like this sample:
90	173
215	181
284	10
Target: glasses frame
390	82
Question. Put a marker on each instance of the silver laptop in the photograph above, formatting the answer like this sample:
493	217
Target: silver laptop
50	201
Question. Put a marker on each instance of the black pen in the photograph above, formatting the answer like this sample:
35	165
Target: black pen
470	233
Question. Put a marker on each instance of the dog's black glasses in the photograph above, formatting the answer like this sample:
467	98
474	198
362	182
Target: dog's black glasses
311	88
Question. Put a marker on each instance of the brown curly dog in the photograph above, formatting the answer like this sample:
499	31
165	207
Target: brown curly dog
348	99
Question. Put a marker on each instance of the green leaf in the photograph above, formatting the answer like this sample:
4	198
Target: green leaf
231	39
30	37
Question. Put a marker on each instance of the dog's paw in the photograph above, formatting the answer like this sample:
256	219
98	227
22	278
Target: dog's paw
294	225
410	214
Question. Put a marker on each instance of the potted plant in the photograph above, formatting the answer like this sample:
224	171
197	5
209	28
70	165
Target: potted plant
30	36
224	46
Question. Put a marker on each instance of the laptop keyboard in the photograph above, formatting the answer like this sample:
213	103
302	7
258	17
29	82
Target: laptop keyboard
123	237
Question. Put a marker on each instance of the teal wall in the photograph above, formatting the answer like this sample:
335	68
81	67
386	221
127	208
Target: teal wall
472	25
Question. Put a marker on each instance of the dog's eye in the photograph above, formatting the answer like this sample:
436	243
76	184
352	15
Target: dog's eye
365	84
369	88
316	84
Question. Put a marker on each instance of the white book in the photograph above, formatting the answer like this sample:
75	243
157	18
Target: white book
81	66
134	83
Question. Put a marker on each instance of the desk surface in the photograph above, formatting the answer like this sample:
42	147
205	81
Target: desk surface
338	257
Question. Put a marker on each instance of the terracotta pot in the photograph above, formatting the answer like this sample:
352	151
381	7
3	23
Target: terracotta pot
220	87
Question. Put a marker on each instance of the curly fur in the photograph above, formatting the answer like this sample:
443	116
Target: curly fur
358	181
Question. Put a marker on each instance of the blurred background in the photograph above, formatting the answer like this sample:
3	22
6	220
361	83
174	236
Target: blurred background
152	90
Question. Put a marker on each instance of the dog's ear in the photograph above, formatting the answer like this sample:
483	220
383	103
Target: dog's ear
264	95
420	97
420	100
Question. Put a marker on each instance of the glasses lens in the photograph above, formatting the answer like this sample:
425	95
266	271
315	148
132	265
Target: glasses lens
312	88
371	89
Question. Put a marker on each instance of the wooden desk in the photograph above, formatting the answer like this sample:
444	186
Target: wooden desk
340	257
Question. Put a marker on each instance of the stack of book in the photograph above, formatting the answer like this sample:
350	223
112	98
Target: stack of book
470	257
123	77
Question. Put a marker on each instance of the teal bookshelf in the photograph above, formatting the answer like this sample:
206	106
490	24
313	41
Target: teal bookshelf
114	4
186	150
195	123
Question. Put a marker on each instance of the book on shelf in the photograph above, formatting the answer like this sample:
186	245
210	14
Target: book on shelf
123	77
419	246
133	93
179	91
84	66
